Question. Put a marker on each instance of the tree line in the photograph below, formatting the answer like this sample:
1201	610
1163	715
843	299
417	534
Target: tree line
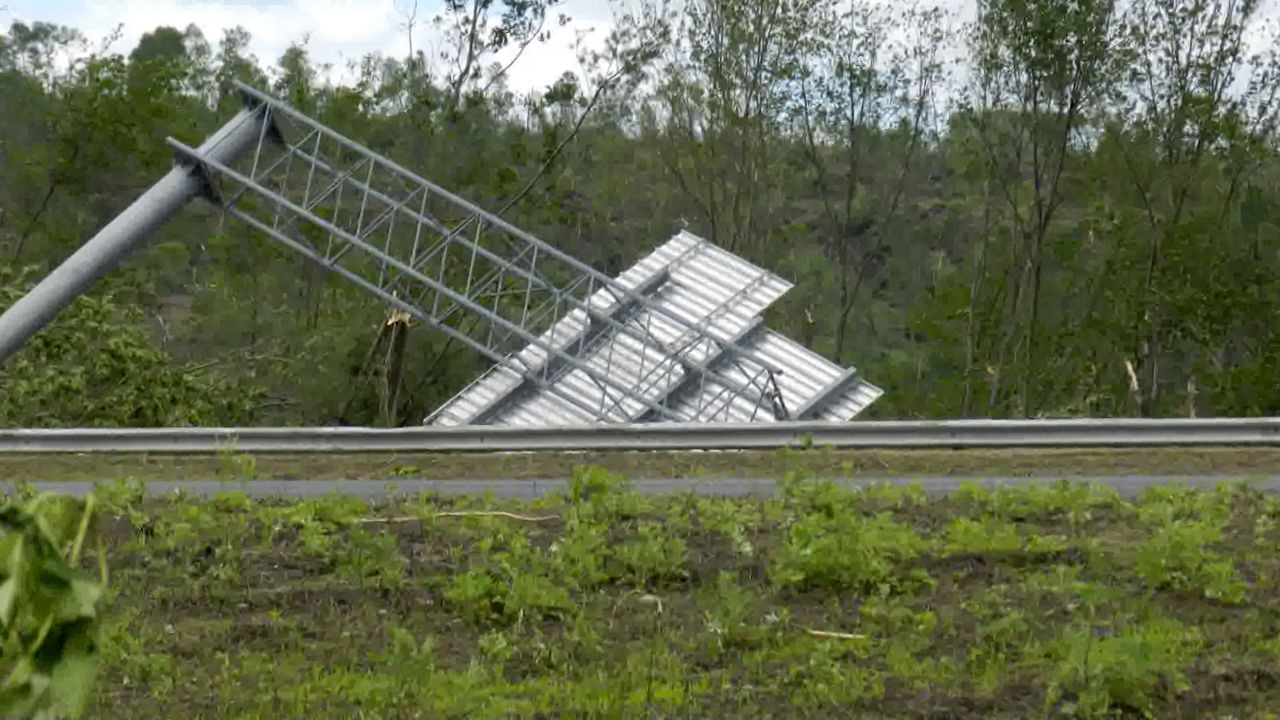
1054	209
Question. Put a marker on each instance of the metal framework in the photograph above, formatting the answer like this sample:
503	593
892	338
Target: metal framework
106	248
721	295
677	338
463	270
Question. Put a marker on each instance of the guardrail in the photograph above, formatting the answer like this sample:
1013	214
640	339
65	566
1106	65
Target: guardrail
655	436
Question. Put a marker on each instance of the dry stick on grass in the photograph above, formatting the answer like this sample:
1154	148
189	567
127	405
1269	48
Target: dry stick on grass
836	635
460	513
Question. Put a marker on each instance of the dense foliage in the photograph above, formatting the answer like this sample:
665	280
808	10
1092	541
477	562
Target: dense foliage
98	366
1076	218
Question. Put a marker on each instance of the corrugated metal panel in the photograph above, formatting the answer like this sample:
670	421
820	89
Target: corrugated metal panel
851	402
707	286
804	375
711	292
494	384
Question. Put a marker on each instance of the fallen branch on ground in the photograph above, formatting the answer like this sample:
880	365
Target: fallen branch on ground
836	635
460	513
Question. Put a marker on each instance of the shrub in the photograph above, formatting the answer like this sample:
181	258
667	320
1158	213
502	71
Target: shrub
845	552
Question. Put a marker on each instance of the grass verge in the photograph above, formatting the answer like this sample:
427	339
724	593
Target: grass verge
1053	601
649	464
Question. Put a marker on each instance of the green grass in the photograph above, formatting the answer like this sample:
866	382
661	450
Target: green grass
1036	601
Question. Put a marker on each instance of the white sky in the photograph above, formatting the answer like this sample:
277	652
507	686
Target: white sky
346	30
340	30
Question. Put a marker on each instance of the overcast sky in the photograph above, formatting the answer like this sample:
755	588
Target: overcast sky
340	30
344	30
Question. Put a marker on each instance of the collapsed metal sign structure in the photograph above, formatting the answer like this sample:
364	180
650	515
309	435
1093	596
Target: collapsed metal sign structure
676	338
717	295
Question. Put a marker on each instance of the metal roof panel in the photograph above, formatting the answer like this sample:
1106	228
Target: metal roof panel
714	296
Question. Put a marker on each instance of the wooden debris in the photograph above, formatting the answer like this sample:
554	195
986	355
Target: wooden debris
836	635
459	513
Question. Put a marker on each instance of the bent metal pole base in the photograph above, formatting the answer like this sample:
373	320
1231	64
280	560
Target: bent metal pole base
102	252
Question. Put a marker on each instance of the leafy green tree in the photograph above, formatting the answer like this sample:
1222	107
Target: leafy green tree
96	365
863	107
1042	67
475	30
1197	119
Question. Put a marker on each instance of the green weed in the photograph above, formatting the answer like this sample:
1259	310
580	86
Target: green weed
986	535
651	557
1179	555
840	552
727	621
1097	674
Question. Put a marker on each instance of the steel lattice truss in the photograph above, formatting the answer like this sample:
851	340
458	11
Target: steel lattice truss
532	309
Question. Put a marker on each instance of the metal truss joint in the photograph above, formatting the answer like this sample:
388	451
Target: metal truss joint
206	185
256	104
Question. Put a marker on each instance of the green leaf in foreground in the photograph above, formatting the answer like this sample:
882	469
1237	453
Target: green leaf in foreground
49	609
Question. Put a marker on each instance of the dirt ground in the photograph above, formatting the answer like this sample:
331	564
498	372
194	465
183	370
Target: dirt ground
705	464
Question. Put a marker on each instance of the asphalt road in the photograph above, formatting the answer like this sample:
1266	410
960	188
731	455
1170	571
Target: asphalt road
374	490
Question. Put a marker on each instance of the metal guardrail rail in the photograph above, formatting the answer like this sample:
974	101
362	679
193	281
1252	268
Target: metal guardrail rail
656	436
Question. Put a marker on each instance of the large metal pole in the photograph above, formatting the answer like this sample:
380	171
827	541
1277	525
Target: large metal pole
101	253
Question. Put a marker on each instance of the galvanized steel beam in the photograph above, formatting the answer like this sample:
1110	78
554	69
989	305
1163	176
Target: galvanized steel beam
140	220
542	246
476	218
554	365
693	383
441	289
1075	433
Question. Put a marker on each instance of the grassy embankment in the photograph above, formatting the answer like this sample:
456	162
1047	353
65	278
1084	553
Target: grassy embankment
1058	600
